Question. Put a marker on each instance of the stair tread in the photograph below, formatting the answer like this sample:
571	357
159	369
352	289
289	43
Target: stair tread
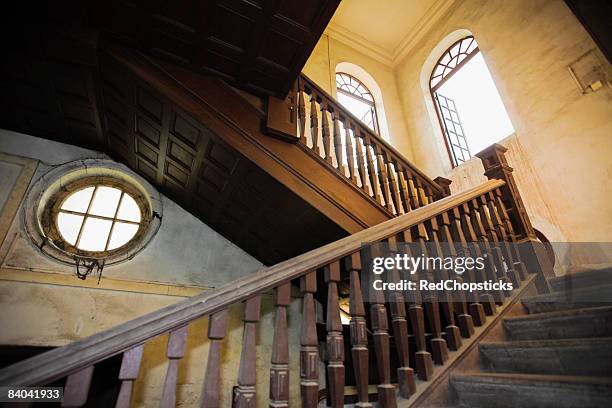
583	276
560	314
569	299
533	378
573	342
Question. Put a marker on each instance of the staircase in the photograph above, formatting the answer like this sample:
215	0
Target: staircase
558	355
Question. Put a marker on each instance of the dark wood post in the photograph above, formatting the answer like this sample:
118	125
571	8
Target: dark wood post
244	393
532	252
281	119
445	184
279	370
309	353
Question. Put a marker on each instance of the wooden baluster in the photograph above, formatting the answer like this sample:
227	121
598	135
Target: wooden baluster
339	151
380	326
421	192
372	170
395	188
326	135
501	207
453	339
383	179
414	196
474	232
505	272
279	371
404	189
302	114
439	350
130	366
335	340
405	374
464	319
423	362
244	393
361	164
314	124
216	333
358	327
174	352
309	354
350	152
77	386
477	309
487	298
508	247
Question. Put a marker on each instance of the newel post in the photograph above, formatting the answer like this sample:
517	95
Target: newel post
444	183
532	251
282	116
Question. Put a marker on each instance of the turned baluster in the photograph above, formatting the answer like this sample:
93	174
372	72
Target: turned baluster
338	150
421	192
358	328
423	362
302	113
326	135
383	177
414	196
174	352
501	207
372	170
453	339
403	184
335	340
350	152
464	319
244	393
77	386
476	309
405	374
309	353
439	350
395	188
130	366
279	370
481	213
361	163
380	326
314	124
216	333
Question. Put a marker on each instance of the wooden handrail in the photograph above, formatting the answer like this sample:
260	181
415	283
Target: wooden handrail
81	354
333	105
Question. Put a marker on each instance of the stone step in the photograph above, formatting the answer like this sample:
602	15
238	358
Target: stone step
494	390
595	296
590	357
587	322
583	277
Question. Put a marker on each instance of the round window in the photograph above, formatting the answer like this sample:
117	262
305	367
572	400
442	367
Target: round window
96	217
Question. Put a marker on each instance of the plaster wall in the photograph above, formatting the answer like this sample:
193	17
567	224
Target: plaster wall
562	146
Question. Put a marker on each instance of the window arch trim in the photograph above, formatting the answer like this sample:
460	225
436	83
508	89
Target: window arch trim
454	58
360	89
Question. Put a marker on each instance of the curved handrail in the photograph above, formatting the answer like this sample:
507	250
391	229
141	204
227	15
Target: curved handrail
80	354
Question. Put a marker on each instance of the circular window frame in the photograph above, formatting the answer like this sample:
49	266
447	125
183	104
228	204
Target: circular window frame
53	208
50	190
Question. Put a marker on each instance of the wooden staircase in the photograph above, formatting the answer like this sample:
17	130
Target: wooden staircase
559	355
423	337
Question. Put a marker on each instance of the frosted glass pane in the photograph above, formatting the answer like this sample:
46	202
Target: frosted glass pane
122	233
129	210
94	235
78	201
69	226
105	201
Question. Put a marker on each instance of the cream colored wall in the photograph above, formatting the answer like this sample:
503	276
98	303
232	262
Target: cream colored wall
321	66
563	143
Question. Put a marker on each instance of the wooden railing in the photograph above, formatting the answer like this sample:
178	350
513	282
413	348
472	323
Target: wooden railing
486	214
356	153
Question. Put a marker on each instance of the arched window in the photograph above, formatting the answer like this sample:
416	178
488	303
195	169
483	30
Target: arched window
470	110
358	99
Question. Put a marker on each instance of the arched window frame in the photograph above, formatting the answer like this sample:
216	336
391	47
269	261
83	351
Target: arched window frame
361	93
447	65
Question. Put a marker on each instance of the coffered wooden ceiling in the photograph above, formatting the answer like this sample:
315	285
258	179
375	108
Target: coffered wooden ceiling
56	83
260	46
